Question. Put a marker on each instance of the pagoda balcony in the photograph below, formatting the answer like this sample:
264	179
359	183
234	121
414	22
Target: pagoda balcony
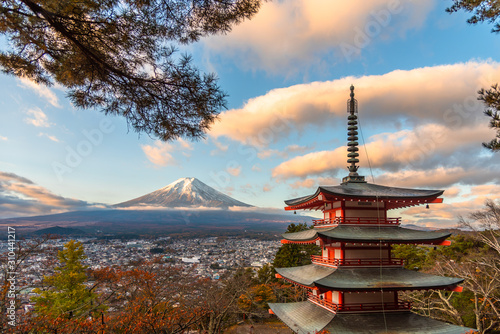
359	307
318	259
356	221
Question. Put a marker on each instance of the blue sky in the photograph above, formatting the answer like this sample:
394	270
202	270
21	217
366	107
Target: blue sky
287	72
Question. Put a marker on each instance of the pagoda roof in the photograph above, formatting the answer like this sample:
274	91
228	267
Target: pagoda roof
364	191
306	317
368	234
305	275
303	317
365	279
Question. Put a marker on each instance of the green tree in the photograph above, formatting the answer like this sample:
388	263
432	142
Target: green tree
66	294
414	256
485	11
119	56
293	255
266	274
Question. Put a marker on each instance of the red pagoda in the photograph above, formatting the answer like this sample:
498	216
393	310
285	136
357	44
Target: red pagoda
354	285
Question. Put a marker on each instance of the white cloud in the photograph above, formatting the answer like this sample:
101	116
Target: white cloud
38	118
287	35
51	137
42	91
4	138
445	94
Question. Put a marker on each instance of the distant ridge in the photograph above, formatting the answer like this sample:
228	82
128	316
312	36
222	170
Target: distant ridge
185	192
58	230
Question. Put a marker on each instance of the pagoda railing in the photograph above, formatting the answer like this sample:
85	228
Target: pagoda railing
359	220
359	307
324	303
318	259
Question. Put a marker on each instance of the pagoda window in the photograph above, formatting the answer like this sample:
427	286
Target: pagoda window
369	297
338	253
367	253
336	297
365	213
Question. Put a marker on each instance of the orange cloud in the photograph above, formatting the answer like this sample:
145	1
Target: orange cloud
234	171
313	182
396	151
484	190
21	197
445	95
160	153
444	215
286	33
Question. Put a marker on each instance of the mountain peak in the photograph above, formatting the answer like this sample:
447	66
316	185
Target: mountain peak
184	192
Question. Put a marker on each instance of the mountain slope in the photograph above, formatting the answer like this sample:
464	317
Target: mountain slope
185	192
165	221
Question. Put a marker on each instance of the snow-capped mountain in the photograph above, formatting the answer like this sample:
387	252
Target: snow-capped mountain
185	192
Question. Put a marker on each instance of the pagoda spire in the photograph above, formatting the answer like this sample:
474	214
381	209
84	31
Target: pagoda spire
352	137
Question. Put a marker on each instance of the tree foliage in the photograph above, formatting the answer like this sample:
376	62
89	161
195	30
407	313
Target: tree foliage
482	11
468	257
120	56
491	98
293	255
65	294
485	11
257	298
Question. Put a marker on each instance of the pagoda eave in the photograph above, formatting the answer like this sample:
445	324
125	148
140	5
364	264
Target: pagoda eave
347	278
367	234
307	317
365	192
389	279
391	204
